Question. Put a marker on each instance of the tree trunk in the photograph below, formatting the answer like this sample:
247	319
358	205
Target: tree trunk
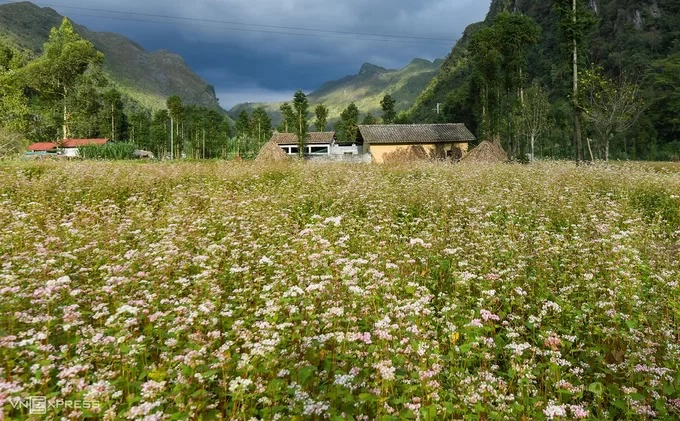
590	150
606	148
113	125
577	118
172	138
65	130
533	138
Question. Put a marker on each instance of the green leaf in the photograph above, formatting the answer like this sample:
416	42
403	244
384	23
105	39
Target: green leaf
305	373
429	413
596	388
619	404
367	397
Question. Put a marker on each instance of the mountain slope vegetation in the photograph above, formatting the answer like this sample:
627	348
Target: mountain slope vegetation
637	42
148	78
365	89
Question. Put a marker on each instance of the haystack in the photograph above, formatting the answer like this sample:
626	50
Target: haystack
486	151
406	154
271	152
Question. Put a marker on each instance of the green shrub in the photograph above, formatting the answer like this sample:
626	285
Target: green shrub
109	151
657	202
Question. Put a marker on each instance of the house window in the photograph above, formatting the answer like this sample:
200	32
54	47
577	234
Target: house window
318	150
293	150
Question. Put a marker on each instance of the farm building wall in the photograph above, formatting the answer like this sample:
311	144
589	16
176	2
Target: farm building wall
379	151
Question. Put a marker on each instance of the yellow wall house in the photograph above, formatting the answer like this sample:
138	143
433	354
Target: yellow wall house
433	141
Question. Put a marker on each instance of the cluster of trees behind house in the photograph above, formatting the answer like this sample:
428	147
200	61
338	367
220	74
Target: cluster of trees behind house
64	94
508	84
567	78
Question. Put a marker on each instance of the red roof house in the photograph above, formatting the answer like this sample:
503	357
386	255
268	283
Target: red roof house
42	147
70	146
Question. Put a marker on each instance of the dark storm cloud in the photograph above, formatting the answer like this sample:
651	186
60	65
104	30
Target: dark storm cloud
260	60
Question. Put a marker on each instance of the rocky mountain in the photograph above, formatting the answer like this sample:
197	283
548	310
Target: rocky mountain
635	39
366	89
147	77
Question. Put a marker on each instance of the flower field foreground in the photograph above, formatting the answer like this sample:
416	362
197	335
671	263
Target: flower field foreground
237	291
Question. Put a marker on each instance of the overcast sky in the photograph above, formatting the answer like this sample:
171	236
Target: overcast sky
264	50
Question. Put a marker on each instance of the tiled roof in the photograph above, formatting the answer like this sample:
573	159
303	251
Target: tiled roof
66	143
75	143
415	133
42	147
313	138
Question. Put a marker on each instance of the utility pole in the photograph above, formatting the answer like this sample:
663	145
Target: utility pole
438	109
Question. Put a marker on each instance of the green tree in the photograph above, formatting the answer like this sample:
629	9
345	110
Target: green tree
140	129
85	103
261	125
499	59
485	59
174	104
243	124
11	143
14	105
159	133
301	105
66	59
534	117
321	112
288	122
665	97
349	124
115	121
575	22
387	104
610	107
369	119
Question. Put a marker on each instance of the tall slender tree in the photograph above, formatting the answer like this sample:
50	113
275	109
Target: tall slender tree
115	118
534	117
575	23
288	122
243	124
349	123
301	105
321	112
174	105
387	105
261	125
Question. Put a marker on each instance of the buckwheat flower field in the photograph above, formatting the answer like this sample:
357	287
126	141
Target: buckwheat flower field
342	292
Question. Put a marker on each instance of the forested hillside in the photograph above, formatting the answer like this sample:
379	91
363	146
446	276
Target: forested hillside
630	47
148	78
365	89
64	92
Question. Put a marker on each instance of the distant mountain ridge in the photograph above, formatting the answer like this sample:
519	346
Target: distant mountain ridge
147	77
366	89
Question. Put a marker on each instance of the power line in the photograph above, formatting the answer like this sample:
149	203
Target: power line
306	31
262	31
